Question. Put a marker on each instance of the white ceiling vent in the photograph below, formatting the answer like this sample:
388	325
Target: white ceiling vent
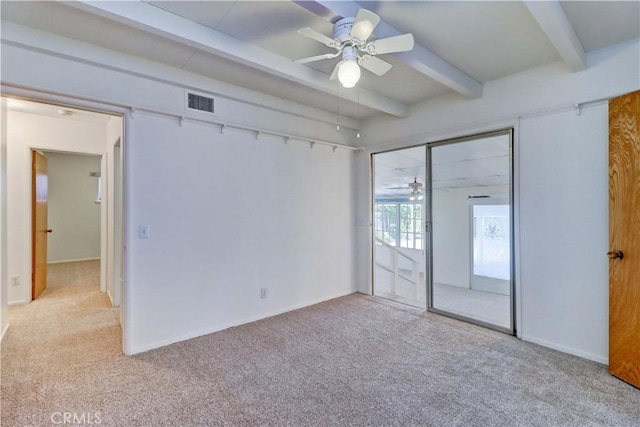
198	102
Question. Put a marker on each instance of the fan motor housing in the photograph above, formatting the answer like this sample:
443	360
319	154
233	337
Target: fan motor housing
342	28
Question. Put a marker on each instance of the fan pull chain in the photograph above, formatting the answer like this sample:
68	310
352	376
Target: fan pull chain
358	110
337	106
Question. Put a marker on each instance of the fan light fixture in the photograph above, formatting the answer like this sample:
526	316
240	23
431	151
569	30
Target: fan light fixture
351	40
349	71
416	194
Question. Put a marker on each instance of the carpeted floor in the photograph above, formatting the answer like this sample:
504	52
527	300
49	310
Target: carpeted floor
355	361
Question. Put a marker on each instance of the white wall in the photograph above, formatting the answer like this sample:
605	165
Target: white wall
451	233
73	214
564	224
114	215
560	178
228	215
26	131
4	271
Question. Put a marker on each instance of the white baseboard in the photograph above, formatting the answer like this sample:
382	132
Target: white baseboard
73	260
207	331
4	331
585	355
17	303
110	298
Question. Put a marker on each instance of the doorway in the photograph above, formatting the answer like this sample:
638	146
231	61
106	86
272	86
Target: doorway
61	133
67	217
443	228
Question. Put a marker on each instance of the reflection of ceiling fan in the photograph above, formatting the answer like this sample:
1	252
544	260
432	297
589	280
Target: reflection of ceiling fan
416	189
350	40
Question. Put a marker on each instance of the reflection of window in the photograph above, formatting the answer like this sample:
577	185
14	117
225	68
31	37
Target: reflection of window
399	224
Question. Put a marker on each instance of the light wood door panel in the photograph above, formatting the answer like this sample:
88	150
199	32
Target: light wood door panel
624	238
39	231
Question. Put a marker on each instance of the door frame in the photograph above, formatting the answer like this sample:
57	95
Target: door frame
101	107
29	228
459	136
512	330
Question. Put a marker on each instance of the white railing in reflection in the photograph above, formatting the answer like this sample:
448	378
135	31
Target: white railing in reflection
394	268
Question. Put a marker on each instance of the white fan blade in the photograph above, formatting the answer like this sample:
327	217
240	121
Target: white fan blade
316	58
400	43
313	34
334	73
364	24
377	66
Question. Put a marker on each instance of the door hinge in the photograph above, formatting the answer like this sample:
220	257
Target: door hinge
427	226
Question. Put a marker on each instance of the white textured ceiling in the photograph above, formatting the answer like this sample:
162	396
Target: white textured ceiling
475	41
478	163
55	111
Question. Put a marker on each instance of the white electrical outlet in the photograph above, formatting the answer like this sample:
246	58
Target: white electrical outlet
15	280
263	293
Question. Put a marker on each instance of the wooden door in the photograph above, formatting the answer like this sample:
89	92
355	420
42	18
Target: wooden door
39	230
624	238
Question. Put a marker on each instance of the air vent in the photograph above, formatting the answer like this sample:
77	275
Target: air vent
199	102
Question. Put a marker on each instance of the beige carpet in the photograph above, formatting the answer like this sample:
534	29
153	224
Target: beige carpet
355	360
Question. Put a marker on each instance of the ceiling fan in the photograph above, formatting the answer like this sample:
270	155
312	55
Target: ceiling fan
350	39
416	189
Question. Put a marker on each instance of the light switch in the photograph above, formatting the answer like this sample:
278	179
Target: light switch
143	231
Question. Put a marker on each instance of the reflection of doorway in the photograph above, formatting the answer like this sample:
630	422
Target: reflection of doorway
471	230
490	246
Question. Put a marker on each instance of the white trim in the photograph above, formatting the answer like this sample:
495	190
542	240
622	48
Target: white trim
566	349
207	331
9	304
107	108
4	331
225	126
73	260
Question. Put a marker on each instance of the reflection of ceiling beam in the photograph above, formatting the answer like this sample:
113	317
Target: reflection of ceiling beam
149	18
556	26
420	58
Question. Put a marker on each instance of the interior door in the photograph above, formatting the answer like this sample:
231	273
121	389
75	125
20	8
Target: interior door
624	240
39	230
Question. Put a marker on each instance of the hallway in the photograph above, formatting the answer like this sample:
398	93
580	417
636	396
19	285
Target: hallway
59	340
